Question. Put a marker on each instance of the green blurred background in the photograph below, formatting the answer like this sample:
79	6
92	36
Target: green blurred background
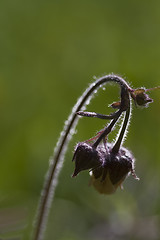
50	51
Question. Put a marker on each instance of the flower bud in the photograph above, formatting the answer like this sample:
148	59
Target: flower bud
108	170
85	157
115	169
141	98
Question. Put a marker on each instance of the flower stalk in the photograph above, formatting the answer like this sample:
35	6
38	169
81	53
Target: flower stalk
95	152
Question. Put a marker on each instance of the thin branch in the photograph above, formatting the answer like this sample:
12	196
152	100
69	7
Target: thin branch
98	115
106	131
119	141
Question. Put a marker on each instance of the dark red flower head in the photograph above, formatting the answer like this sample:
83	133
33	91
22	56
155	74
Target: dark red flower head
108	170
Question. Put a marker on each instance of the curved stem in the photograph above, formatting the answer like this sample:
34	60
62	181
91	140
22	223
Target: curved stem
98	115
123	130
107	130
61	147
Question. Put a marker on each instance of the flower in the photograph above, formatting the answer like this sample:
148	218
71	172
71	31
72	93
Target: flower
85	157
108	170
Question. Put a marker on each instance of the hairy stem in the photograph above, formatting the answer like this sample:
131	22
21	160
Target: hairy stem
97	115
119	141
60	150
107	130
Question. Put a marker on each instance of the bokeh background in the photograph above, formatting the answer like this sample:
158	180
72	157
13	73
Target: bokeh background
49	53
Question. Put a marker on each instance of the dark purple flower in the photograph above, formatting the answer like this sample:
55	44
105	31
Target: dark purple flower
108	170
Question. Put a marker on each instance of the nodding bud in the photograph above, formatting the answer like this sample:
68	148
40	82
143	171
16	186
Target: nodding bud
108	170
115	169
141	98
85	157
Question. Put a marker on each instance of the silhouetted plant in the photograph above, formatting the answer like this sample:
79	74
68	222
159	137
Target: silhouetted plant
109	163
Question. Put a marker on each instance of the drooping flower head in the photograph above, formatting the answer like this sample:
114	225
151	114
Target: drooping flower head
110	163
107	169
